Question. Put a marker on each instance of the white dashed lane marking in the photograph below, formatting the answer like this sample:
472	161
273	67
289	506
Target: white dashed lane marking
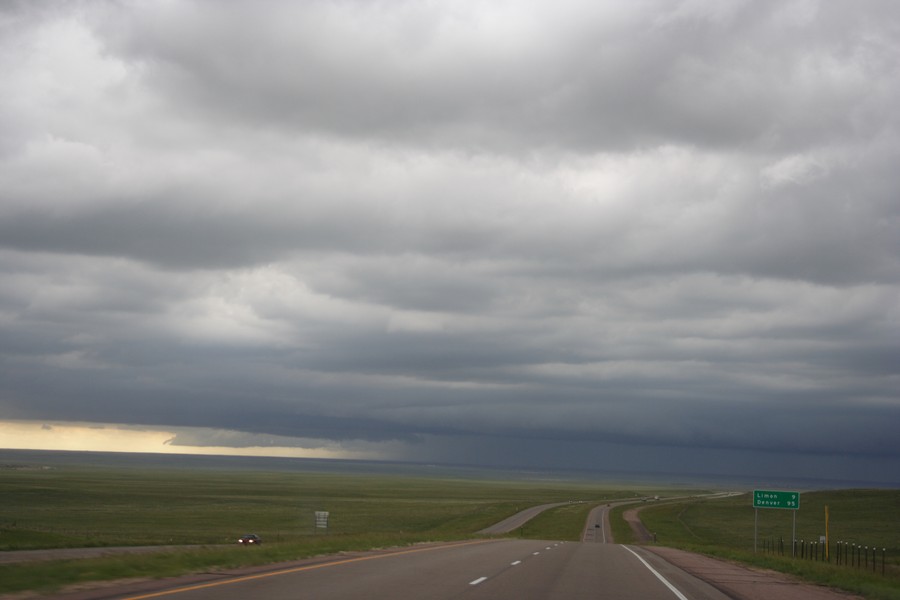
512	564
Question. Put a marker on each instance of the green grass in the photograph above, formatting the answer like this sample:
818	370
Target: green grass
563	523
78	506
101	507
53	575
566	523
725	528
621	531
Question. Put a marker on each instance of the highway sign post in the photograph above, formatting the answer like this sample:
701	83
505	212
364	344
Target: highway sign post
776	499
321	519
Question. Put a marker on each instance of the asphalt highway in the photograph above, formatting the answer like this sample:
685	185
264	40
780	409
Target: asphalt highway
596	528
482	569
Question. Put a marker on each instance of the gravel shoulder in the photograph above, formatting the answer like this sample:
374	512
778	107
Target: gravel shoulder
745	583
735	580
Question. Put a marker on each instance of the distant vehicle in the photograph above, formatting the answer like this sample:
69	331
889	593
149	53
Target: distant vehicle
251	539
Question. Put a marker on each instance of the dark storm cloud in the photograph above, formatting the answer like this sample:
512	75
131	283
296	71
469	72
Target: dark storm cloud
587	75
503	233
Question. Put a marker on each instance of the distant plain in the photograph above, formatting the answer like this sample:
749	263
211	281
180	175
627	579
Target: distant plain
72	500
70	503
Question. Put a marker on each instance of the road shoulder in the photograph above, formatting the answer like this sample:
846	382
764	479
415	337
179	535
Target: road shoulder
745	583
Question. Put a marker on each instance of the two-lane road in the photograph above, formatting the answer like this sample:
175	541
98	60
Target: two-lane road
596	528
484	569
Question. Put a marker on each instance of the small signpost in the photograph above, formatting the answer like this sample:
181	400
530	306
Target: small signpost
321	519
776	499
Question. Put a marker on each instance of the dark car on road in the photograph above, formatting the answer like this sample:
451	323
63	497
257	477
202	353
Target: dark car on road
251	539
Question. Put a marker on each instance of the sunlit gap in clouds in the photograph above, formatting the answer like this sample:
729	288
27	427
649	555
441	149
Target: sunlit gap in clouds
41	435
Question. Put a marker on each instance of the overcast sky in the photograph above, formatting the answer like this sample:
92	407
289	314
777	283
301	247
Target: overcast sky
650	235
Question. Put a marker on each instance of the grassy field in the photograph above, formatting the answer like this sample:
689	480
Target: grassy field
101	507
78	506
563	523
725	528
620	530
81	506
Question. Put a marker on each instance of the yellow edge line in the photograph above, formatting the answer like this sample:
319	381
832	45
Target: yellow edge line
299	569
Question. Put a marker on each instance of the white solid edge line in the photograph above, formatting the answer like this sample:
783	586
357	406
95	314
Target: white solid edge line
658	576
477	581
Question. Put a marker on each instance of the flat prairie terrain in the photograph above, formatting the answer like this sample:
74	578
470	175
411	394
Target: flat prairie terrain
197	514
76	506
83	506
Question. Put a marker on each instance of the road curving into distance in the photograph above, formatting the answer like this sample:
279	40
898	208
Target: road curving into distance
520	518
596	527
487	568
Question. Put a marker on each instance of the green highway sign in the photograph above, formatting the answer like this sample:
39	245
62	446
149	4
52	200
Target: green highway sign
776	499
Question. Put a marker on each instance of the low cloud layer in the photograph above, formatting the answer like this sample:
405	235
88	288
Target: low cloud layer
534	231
